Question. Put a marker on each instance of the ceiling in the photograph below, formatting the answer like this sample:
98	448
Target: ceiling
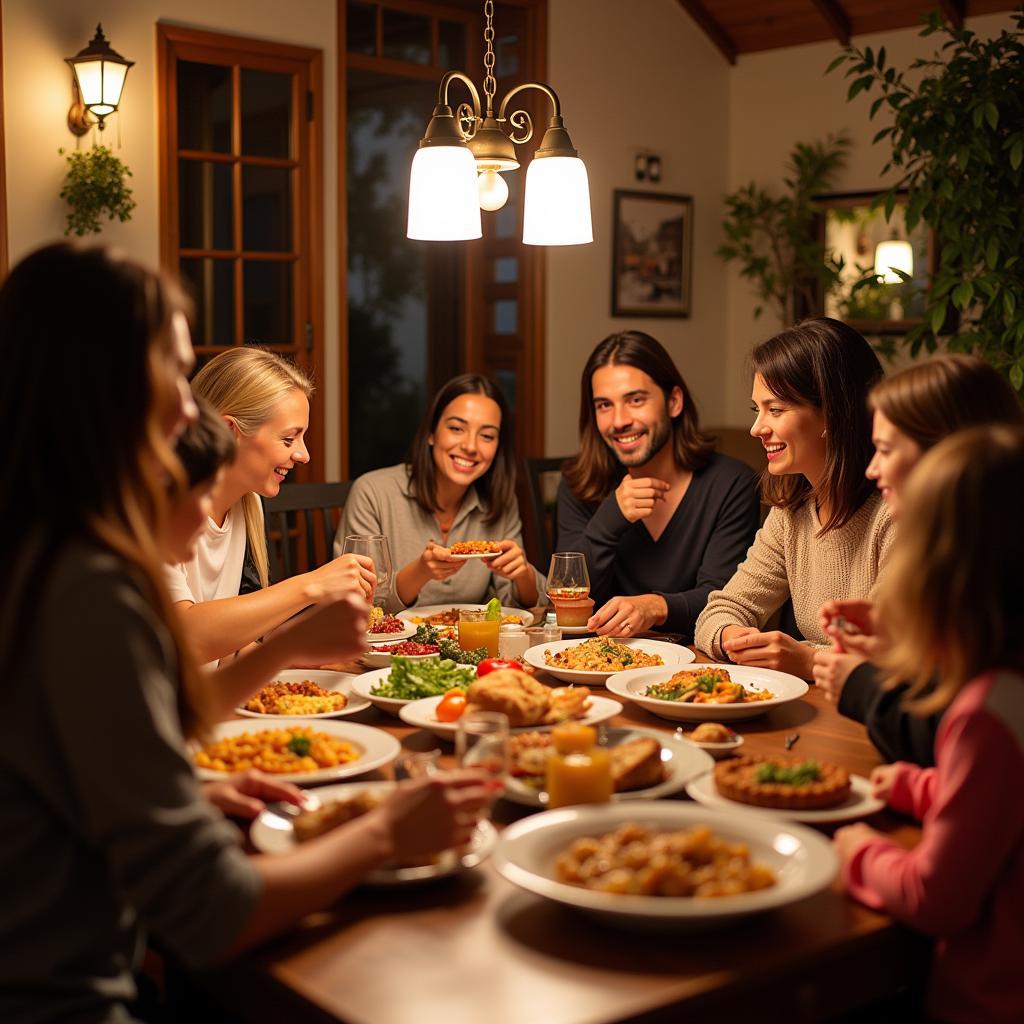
747	26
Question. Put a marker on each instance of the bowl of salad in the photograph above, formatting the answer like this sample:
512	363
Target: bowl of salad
409	679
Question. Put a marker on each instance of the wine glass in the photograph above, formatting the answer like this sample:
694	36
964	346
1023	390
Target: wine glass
377	549
568	579
481	743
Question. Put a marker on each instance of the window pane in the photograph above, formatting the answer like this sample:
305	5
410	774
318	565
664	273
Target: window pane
506	221
451	43
267	302
505	316
266	209
204	207
506	270
266	113
211	283
204	107
506	56
406	36
362	28
506	380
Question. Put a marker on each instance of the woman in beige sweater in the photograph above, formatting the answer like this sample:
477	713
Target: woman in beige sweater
828	531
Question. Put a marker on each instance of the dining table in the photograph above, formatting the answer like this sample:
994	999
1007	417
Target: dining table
474	949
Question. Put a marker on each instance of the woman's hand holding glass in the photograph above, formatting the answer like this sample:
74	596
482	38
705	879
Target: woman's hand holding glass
375	548
347	574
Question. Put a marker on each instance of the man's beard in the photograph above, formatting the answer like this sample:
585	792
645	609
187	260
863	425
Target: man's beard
657	437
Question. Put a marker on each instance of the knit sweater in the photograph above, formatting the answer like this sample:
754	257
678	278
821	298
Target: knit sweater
789	560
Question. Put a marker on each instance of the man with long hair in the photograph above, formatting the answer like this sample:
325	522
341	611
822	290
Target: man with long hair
661	517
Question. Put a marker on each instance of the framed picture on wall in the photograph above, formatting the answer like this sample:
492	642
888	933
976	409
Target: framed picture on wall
652	254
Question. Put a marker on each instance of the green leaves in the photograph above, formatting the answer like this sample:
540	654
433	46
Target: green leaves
95	184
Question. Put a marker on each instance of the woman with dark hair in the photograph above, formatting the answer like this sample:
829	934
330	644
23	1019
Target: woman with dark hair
457	484
829	531
662	519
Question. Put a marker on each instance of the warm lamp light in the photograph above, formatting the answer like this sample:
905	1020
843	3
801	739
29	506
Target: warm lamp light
99	79
891	256
556	210
442	195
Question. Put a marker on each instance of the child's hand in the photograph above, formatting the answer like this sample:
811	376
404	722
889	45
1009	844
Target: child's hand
883	778
849	839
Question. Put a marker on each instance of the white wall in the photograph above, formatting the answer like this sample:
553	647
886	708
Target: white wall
39	34
632	76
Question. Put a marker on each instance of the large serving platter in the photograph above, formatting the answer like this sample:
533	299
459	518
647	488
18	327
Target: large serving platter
674	657
632	684
339	682
803	861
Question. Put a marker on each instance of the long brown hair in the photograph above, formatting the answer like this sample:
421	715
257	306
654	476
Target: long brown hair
85	337
596	472
931	399
497	487
953	595
827	365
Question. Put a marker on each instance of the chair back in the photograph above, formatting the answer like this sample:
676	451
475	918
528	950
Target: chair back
542	534
295	518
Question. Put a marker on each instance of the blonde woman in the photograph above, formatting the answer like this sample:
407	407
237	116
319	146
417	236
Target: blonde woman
265	402
953	605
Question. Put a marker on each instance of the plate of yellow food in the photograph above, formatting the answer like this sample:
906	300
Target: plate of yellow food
299	752
664	864
305	693
700	693
475	549
279	829
446	616
594	661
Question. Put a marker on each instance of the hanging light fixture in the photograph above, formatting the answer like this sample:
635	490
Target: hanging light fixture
99	78
891	256
457	170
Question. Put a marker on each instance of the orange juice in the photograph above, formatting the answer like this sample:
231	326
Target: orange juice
480	632
578	772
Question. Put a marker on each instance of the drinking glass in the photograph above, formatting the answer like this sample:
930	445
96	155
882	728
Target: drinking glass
568	579
476	630
481	743
377	549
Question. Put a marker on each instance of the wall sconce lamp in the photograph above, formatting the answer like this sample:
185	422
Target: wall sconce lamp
893	256
99	74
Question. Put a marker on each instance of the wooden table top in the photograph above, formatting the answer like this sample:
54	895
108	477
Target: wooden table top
474	948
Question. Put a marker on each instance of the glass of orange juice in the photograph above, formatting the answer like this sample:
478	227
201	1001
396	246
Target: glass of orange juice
476	630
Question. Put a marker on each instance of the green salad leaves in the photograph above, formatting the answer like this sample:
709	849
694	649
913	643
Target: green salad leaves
425	677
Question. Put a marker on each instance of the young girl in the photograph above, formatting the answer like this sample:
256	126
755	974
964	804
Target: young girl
265	402
913	411
457	484
953	601
106	833
828	531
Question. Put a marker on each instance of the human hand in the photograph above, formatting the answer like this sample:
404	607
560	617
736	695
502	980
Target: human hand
849	839
511	563
883	780
860	616
245	794
346	574
831	670
434	813
437	561
627	616
332	631
773	649
636	498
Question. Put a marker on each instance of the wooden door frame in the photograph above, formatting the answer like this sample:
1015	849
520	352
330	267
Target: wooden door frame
3	160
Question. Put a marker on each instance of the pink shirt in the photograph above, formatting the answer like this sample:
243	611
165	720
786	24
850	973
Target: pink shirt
964	882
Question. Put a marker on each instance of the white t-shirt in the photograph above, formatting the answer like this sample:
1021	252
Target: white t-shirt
215	570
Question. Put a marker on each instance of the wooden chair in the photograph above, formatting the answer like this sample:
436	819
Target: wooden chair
311	506
543	528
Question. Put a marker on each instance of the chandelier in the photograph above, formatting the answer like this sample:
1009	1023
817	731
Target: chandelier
458	167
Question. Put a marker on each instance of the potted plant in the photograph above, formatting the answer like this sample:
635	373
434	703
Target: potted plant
95	184
957	141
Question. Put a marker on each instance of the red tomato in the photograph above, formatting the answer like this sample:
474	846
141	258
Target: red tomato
453	703
493	664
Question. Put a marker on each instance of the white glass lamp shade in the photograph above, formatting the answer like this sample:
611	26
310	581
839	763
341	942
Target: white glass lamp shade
892	256
556	210
443	199
100	83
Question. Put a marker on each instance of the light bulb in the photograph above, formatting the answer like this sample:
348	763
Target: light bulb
492	188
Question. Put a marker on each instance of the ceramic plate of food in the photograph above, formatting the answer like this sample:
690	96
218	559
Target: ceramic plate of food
298	693
299	752
447	615
421	714
702	693
274	832
786	788
594	661
557	855
475	549
386	629
379	655
408	680
646	764
713	738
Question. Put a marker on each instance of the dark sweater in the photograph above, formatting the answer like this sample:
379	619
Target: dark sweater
698	552
899	734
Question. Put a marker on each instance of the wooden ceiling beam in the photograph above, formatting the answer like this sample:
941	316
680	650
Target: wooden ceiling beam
954	12
711	28
838	20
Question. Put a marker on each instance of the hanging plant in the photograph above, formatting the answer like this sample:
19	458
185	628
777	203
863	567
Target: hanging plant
95	184
957	140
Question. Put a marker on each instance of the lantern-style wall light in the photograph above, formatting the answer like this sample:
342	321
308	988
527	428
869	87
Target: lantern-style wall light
99	78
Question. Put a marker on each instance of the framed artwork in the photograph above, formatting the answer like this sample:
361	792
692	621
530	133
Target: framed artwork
652	254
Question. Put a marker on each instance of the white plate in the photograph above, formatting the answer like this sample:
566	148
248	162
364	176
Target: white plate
574	631
335	681
420	713
674	656
422	611
786	688
382	659
391	638
803	861
476	554
716	750
682	762
859	804
362	685
273	833
377	748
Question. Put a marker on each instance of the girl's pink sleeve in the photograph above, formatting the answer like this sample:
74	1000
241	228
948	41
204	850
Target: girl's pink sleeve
913	789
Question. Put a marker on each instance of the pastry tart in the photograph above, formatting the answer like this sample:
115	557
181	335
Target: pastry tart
786	783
